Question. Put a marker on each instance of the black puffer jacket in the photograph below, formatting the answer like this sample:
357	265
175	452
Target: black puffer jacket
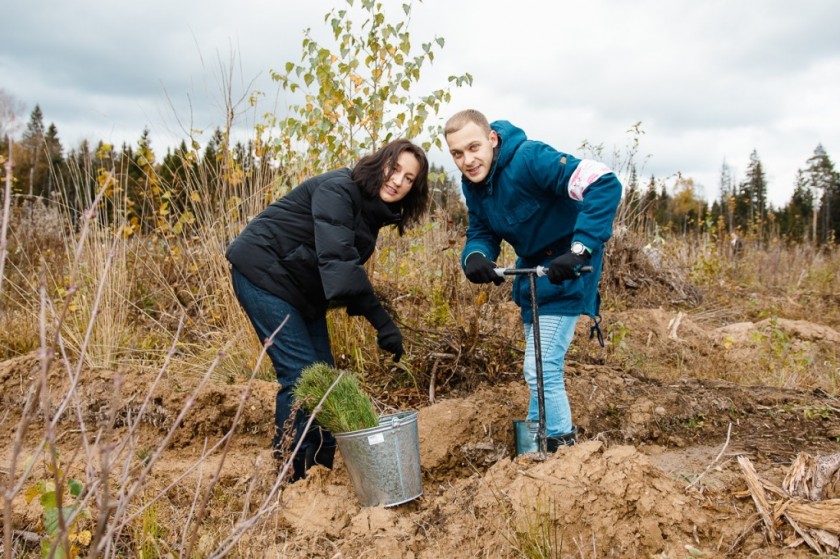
309	247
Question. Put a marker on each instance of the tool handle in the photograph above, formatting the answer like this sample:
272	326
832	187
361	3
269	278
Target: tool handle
539	270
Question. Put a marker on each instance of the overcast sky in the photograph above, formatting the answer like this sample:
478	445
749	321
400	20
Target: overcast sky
710	81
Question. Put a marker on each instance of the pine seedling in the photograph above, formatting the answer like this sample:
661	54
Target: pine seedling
346	408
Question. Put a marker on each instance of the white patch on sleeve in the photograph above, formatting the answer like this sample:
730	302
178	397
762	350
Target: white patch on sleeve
587	172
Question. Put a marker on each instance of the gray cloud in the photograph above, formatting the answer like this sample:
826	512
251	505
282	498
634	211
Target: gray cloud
708	80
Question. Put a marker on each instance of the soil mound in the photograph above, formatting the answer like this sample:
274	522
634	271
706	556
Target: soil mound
658	471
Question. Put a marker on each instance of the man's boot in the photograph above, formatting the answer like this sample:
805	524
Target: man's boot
567	439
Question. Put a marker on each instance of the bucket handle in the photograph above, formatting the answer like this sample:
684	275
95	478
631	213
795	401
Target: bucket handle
397	420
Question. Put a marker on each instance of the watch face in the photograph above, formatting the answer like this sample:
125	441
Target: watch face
577	248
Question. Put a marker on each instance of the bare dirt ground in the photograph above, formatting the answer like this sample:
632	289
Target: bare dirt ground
658	471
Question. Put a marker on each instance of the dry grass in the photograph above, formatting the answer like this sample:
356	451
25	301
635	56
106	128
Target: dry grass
458	335
697	281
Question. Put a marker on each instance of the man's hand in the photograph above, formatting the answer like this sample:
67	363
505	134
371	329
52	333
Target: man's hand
390	339
567	266
480	270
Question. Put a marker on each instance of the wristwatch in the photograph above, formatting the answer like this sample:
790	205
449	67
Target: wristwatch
579	248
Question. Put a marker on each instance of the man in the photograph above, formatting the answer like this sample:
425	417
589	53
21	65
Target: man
555	211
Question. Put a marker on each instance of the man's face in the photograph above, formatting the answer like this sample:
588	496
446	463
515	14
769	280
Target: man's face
472	150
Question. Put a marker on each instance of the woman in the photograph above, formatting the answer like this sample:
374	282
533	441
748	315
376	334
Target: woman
306	252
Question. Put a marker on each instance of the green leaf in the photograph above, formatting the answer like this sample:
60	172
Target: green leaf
51	521
75	486
49	500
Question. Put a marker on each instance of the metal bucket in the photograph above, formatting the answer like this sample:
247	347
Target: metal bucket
526	436
384	461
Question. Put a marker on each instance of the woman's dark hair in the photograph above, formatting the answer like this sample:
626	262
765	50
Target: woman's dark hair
369	174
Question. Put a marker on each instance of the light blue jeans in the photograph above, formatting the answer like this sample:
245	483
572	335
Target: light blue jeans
556	334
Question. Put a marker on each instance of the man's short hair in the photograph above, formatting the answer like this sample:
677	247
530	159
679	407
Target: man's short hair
462	118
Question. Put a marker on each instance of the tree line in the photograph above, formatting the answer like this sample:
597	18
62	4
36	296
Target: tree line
155	188
150	194
742	209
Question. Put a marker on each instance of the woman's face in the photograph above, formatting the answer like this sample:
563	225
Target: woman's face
398	181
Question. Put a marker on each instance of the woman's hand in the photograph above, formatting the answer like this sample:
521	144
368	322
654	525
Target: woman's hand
390	339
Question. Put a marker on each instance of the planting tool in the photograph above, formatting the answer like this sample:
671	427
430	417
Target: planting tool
532	274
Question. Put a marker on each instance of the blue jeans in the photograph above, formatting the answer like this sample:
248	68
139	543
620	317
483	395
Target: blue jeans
298	344
556	334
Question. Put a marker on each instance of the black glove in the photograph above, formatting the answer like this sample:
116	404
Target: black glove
388	335
480	270
390	339
366	305
567	266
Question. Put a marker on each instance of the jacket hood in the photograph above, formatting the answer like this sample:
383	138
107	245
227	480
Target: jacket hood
511	138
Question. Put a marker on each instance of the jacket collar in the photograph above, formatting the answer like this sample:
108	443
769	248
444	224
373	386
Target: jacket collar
377	213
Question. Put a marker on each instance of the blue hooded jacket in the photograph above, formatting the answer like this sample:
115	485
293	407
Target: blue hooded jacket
526	200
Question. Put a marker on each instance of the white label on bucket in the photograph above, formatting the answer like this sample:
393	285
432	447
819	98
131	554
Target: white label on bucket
376	439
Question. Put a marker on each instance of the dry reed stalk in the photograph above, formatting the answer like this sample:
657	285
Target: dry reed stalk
270	503
4	224
229	436
7	496
41	394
